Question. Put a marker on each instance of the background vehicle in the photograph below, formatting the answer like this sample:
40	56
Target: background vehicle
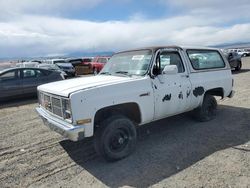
17	82
78	61
97	64
52	67
241	52
54	61
27	64
68	68
234	60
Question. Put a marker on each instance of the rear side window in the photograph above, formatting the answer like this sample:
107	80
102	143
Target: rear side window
29	73
205	59
40	73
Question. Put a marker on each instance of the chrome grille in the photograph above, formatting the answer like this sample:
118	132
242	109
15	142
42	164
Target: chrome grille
57	106
47	102
51	103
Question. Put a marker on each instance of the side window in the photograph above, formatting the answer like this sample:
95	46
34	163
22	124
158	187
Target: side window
171	58
11	75
29	73
205	59
39	73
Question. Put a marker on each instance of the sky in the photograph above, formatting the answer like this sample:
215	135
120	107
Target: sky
32	28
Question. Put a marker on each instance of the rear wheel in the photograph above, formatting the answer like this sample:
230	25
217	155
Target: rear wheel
207	111
115	138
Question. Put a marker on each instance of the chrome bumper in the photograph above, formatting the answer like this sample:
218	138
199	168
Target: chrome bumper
65	129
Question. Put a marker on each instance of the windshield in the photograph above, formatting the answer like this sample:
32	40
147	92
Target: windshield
128	63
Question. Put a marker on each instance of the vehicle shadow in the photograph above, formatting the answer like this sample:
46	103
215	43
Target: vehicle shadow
165	148
18	102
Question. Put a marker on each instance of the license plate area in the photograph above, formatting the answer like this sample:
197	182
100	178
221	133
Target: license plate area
53	127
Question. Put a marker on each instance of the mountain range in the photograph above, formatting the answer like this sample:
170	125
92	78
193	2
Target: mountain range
109	53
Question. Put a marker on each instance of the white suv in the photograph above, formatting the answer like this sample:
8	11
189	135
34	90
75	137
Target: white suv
134	88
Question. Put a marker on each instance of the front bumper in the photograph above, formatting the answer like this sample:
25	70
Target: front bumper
65	129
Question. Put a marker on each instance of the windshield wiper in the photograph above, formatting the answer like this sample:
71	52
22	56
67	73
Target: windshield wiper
107	73
122	72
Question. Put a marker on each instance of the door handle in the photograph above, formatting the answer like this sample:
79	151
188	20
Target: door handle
186	76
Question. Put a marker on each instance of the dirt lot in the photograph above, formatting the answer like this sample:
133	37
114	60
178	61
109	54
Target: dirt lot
174	152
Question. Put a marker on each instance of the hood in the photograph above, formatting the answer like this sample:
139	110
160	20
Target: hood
65	87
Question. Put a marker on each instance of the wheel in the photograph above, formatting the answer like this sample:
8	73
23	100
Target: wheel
239	65
115	138
207	111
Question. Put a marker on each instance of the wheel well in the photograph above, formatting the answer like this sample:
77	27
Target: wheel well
216	92
130	110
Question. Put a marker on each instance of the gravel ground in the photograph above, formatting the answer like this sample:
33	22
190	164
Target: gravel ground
174	152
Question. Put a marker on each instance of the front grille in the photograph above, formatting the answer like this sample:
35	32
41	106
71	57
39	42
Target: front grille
51	103
57	106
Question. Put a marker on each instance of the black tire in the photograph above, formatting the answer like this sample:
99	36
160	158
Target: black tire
115	138
207	111
239	65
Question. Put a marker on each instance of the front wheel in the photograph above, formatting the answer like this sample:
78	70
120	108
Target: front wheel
207	111
115	138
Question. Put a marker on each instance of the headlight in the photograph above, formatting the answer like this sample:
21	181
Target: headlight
40	97
66	109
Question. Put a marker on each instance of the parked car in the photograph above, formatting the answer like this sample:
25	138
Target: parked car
68	68
54	61
96	65
79	61
234	60
134	88
27	64
241	52
52	67
16	82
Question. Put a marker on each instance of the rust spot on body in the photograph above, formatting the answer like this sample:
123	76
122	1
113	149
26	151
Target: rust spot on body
180	96
166	97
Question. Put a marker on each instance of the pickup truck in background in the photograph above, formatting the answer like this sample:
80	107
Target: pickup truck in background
96	65
134	88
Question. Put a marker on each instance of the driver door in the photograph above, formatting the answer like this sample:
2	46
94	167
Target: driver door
171	91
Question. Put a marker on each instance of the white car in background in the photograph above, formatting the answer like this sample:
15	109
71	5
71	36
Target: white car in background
27	64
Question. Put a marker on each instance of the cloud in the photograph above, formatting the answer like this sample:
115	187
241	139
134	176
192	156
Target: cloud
36	34
223	10
41	35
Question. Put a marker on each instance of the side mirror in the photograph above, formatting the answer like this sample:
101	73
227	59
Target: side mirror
170	70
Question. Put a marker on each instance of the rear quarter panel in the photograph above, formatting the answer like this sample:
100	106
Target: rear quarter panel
204	80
